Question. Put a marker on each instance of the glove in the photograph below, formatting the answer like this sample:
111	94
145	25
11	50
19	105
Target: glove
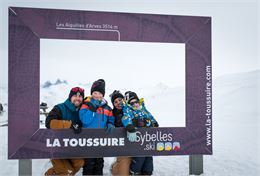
92	107
95	102
155	124
148	122
109	128
131	136
123	104
76	127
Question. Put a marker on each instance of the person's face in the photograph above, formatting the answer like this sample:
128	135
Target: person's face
76	100
135	103
117	103
97	95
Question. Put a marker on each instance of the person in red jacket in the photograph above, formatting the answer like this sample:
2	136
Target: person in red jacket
95	113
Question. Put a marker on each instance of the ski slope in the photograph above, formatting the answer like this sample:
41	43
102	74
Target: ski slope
235	130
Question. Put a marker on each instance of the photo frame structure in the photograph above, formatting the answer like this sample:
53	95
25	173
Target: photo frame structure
28	25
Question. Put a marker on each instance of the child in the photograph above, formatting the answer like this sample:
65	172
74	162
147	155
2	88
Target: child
95	113
137	116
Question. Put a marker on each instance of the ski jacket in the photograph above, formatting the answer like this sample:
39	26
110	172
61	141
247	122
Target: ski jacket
62	115
99	118
137	117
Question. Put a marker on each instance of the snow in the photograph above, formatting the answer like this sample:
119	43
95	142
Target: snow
156	96
235	125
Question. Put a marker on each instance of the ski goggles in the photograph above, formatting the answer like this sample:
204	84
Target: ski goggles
77	89
133	102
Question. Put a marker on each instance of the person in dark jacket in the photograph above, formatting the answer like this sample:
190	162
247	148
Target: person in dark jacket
95	113
116	99
122	163
62	116
1	108
135	115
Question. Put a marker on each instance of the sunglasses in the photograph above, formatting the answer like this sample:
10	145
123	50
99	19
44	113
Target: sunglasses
133	102
77	89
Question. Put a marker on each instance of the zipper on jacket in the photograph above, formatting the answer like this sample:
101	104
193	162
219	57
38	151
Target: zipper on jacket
98	119
102	112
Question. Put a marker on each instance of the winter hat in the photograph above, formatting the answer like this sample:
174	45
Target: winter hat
116	94
76	90
99	86
129	95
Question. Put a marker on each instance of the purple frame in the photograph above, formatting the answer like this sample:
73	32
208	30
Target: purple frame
28	25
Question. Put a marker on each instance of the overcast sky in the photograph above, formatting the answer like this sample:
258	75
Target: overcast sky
234	26
121	64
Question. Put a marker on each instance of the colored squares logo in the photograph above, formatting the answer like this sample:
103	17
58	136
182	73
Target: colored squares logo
176	146
160	146
168	146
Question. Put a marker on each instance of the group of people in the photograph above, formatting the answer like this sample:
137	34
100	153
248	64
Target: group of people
93	111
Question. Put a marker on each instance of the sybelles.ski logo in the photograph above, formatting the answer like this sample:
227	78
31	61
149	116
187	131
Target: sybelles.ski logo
158	141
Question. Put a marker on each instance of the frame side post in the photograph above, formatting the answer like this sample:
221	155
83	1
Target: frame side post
25	167
196	164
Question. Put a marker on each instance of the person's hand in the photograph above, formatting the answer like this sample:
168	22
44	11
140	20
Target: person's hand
155	124
109	128
95	102
132	137
76	127
123	103
148	122
92	107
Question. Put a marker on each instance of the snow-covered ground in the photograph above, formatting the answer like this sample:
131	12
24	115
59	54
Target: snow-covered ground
235	135
162	101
